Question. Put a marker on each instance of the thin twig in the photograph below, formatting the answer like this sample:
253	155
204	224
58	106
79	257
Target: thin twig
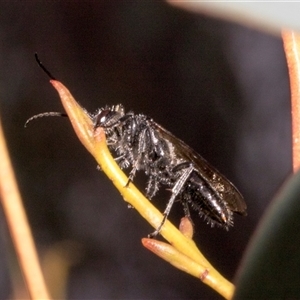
19	228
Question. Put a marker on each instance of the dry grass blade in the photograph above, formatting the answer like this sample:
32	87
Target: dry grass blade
291	42
19	227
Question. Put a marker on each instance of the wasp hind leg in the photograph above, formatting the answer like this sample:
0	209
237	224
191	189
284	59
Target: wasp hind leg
177	188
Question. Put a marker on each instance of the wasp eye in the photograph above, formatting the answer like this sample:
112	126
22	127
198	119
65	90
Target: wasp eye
100	118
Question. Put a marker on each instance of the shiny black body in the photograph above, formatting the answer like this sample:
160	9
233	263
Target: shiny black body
143	145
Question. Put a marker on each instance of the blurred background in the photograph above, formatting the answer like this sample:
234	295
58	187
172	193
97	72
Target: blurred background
221	87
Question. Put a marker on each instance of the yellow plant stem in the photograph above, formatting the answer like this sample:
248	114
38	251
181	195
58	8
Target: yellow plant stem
19	228
95	142
176	258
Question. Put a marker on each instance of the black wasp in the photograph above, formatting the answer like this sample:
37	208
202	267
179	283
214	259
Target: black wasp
143	145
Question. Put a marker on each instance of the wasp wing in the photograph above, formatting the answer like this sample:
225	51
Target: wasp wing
212	176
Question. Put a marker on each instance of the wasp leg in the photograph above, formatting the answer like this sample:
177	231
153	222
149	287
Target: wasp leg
175	191
141	150
187	211
132	173
152	187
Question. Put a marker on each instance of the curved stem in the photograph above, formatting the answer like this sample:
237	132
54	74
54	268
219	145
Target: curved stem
95	143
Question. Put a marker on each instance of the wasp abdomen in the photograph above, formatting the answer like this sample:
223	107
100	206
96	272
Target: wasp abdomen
204	199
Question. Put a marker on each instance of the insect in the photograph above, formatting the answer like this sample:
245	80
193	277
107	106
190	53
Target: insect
139	143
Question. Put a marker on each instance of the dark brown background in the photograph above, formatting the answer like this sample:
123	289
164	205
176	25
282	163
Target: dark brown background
220	87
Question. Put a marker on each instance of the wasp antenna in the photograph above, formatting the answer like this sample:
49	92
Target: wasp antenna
45	114
43	67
